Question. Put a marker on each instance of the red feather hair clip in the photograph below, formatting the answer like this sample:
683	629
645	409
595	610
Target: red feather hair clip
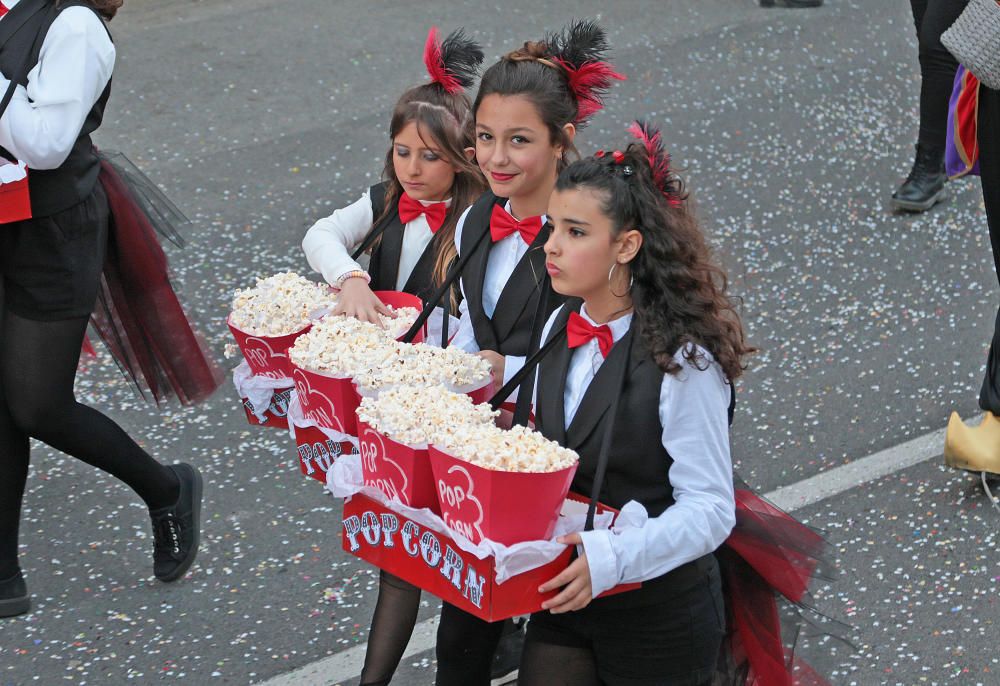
588	84
659	161
436	68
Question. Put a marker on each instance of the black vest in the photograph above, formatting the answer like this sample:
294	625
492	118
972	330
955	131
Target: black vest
384	265
508	332
638	464
52	190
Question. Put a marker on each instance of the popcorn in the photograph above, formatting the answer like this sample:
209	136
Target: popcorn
426	366
280	305
518	449
344	346
416	416
405	316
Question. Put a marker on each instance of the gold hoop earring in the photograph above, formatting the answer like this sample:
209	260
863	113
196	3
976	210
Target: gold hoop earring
631	281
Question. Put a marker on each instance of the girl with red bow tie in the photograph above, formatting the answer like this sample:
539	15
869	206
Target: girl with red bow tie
527	112
407	222
636	376
651	343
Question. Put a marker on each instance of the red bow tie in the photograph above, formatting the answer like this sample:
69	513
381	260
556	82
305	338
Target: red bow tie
503	224
410	209
580	331
3	9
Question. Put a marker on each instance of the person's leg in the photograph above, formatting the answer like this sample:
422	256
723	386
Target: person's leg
13	476
392	625
38	368
465	647
937	72
977	449
924	186
549	664
989	166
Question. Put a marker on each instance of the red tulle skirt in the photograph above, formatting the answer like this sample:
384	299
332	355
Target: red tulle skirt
137	314
769	557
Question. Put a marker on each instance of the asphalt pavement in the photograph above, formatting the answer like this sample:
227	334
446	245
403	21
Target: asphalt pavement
793	127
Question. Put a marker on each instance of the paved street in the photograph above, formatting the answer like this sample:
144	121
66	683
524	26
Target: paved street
794	126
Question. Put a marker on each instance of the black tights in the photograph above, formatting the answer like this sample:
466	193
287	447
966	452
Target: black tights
38	363
392	625
937	67
547	664
465	648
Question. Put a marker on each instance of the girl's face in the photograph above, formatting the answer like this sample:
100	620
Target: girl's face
582	248
420	165
513	147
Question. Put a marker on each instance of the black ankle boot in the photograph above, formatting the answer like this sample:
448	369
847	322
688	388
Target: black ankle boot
925	186
14	598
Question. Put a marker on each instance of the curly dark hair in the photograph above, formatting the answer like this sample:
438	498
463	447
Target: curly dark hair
679	293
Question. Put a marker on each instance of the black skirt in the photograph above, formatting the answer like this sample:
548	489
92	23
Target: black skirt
51	266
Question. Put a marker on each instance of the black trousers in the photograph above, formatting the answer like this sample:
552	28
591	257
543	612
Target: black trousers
989	165
937	67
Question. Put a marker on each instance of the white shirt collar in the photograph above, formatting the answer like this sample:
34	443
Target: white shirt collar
425	203
619	327
9	4
506	206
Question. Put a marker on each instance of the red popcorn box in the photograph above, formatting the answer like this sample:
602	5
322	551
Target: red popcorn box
506	507
398	299
431	560
317	452
330	401
275	415
401	472
15	198
267	355
483	393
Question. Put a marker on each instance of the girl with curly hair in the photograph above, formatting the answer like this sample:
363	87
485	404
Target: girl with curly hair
652	344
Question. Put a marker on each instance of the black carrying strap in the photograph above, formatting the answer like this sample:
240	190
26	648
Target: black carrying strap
522	409
529	365
432	302
604	455
376	194
445	321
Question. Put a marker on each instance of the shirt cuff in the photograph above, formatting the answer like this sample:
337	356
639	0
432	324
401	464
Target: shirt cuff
600	559
511	366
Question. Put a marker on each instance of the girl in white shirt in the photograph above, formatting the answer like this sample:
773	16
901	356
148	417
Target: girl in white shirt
527	111
409	222
56	61
650	339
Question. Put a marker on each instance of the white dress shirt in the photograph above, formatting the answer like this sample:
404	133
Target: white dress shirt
503	258
694	408
327	244
43	121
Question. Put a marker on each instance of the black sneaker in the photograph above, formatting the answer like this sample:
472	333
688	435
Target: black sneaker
14	598
177	529
507	657
925	186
